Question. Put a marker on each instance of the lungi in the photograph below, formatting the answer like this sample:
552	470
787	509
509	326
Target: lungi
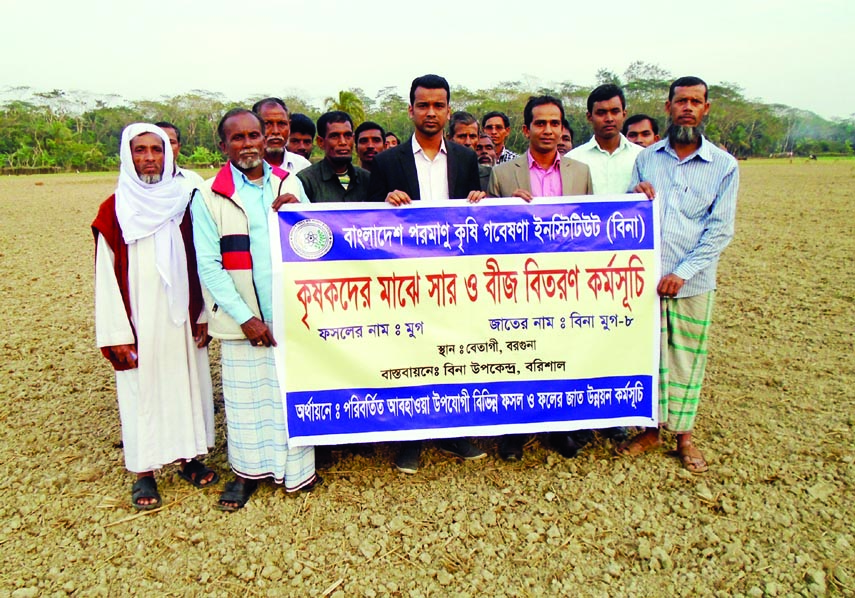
255	419
683	358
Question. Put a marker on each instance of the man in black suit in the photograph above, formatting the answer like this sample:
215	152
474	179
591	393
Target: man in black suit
414	170
426	167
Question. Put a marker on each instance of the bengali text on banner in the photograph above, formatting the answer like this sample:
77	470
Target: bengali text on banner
451	319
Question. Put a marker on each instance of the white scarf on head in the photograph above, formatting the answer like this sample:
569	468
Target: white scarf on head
157	209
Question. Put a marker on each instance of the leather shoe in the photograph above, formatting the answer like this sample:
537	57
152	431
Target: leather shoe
511	447
408	457
461	448
563	443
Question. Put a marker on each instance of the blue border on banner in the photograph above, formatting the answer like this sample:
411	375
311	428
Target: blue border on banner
465	405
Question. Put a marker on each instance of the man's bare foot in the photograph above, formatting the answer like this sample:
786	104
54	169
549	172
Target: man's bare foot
692	458
646	441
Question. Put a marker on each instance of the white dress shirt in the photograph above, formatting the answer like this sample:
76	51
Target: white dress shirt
433	174
294	163
610	173
188	179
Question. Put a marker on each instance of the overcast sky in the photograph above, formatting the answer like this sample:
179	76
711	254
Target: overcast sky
778	52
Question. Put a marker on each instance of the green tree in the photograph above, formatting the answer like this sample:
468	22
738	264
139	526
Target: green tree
202	156
350	102
80	131
390	111
605	76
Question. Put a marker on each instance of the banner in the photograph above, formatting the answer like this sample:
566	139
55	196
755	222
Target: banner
441	320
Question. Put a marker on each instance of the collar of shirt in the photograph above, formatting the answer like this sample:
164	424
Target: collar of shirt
241	179
532	164
418	148
294	163
703	151
506	156
328	173
623	146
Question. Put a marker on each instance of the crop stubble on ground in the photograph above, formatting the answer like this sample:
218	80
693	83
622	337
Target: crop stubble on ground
774	516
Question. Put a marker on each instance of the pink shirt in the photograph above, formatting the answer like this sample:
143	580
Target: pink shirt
545	183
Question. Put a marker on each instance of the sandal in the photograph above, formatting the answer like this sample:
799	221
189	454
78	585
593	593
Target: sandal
692	459
195	472
238	492
638	445
145	487
316	481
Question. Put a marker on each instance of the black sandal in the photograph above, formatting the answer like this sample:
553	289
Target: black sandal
195	472
237	491
145	487
317	480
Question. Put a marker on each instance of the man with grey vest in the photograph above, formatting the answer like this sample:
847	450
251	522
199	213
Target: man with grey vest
230	233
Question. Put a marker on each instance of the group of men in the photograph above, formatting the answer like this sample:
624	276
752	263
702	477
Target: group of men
166	285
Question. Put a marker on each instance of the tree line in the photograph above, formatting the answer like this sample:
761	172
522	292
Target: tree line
67	131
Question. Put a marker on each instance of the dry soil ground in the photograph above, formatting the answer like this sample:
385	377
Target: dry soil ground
774	515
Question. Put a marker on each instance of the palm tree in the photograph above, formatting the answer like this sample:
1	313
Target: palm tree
348	101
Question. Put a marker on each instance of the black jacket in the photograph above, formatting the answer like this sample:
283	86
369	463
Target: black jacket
395	170
322	185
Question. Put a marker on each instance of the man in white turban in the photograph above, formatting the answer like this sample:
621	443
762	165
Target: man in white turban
149	319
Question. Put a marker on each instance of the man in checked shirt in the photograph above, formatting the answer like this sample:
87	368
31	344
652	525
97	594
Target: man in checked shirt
697	184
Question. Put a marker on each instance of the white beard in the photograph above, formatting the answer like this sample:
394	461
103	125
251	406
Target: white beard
248	163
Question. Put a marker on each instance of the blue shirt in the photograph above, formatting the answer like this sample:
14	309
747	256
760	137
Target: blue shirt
698	208
256	202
